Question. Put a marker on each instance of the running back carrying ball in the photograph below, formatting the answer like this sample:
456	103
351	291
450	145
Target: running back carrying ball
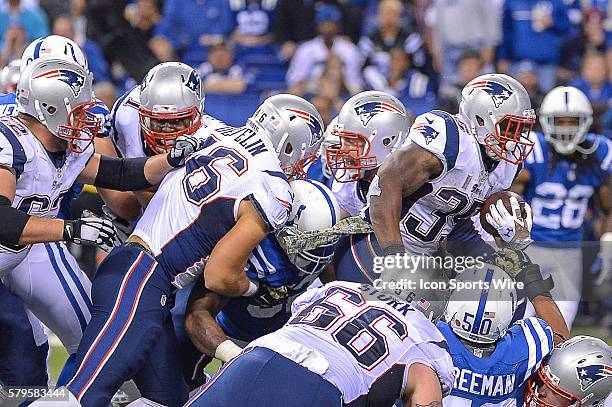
506	216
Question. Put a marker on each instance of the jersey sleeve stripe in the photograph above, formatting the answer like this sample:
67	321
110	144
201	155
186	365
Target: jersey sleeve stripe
544	336
607	161
451	149
531	345
19	155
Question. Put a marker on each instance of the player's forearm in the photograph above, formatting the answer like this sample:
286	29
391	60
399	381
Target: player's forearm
230	282
547	310
423	387
156	168
204	331
123	204
386	204
42	230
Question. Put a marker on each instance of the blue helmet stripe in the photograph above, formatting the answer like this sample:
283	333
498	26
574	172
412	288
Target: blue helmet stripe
329	202
483	302
37	48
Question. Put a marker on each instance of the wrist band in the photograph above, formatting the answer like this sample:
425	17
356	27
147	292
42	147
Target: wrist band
251	290
227	350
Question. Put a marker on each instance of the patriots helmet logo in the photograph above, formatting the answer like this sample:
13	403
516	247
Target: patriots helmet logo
366	111
498	92
589	375
193	82
315	126
74	79
427	131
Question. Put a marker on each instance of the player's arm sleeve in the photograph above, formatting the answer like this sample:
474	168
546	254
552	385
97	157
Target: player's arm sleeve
437	133
12	153
539	343
273	203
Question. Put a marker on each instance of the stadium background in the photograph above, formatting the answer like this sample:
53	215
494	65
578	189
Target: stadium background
422	51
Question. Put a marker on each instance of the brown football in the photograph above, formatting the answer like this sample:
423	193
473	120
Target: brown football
505	197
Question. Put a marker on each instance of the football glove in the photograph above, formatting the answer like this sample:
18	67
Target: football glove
267	296
92	230
513	229
183	147
123	228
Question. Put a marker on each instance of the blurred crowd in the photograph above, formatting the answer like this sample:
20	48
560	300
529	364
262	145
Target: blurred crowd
422	51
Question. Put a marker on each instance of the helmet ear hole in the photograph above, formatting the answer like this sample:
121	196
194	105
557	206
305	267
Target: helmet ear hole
387	140
51	109
480	120
288	149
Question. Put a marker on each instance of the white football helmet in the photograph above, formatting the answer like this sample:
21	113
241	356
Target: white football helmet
482	313
58	94
295	128
578	373
566	102
500	114
314	208
170	94
371	125
53	46
329	139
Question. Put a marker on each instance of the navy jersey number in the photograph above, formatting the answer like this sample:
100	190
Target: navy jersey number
363	334
203	180
451	196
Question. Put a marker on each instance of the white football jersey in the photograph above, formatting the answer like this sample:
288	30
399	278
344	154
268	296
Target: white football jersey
125	125
350	196
195	206
42	180
369	339
468	179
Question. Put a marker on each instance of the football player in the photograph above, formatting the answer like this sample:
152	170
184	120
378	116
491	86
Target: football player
63	302
346	344
567	168
577	373
318	170
211	319
492	359
370	126
449	165
205	218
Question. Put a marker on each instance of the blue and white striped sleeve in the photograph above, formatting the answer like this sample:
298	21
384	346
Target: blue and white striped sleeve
539	338
12	153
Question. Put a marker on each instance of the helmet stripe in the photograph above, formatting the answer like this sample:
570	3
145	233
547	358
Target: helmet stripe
483	302
37	48
329	202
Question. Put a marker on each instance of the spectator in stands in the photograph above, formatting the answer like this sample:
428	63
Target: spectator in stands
526	73
461	25
311	57
470	66
18	27
79	20
293	23
389	35
103	87
189	27
253	34
591	37
534	30
144	15
219	73
594	82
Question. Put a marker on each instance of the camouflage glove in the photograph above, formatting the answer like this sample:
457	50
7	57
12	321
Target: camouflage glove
519	266
267	296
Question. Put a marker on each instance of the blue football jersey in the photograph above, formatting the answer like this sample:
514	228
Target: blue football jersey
8	104
315	173
499	379
242	318
559	190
